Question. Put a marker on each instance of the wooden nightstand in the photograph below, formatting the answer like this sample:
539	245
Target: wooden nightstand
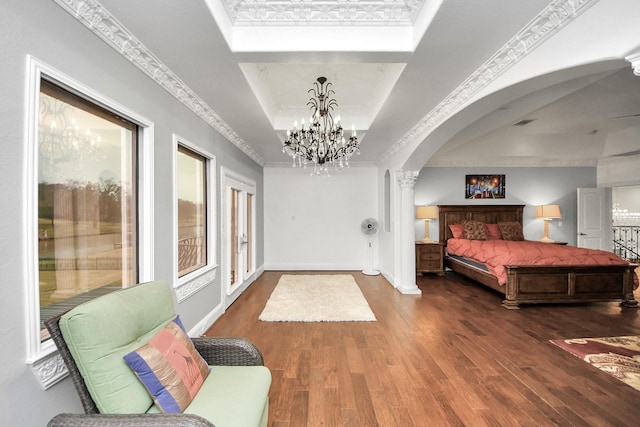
430	258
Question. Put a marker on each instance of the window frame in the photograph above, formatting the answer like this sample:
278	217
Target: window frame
46	363
193	281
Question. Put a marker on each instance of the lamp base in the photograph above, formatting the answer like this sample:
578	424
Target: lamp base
427	240
546	240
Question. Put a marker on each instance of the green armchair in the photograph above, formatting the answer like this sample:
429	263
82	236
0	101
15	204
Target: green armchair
93	338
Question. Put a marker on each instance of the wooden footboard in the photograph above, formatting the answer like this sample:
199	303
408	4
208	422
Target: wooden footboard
536	284
557	284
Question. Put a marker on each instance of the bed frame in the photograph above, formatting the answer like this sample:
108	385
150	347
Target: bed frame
538	284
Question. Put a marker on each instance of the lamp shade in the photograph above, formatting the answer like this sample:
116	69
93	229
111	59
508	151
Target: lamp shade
427	212
548	211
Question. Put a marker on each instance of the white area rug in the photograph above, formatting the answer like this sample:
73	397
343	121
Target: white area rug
317	298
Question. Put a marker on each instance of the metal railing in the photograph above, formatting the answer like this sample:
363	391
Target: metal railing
626	242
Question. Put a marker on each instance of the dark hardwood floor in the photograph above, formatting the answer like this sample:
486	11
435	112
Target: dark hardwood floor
450	357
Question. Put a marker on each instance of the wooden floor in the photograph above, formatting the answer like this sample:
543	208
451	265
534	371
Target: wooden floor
450	357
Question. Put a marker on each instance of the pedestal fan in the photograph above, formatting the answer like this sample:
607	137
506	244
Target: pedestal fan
369	227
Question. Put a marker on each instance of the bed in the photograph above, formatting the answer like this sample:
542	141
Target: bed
526	284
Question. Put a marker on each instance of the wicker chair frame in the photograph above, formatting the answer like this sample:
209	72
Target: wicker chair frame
226	351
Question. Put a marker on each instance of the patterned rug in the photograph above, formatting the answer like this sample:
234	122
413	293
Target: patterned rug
617	356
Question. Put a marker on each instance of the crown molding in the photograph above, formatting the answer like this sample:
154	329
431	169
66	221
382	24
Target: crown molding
328	12
511	162
547	23
634	59
101	22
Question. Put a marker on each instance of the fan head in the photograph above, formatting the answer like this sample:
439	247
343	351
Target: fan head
369	226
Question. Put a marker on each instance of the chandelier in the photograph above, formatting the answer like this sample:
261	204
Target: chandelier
323	142
59	134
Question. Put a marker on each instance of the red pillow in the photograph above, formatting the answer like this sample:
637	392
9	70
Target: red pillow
493	232
457	231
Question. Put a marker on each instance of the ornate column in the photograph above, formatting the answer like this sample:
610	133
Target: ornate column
406	267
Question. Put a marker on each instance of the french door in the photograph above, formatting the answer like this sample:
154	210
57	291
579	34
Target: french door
239	231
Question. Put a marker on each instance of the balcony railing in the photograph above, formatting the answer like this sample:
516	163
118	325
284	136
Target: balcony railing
626	242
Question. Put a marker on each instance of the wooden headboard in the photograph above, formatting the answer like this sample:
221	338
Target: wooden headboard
491	214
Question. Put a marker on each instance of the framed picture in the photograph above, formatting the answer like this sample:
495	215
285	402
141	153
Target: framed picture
484	187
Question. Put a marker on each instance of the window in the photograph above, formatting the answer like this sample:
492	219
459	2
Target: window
87	186
194	217
192	211
87	210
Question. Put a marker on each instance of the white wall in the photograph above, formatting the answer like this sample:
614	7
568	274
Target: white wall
313	222
527	186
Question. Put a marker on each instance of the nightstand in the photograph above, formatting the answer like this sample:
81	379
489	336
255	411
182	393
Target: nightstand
430	258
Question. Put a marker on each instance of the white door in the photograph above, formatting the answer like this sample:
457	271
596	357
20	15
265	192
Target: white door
594	218
238	230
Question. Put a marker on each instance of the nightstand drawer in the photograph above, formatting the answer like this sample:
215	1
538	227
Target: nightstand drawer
430	265
429	249
426	256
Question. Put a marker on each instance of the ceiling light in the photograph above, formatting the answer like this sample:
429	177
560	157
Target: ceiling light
322	143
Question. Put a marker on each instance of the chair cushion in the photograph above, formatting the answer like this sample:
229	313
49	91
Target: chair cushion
170	367
233	396
100	332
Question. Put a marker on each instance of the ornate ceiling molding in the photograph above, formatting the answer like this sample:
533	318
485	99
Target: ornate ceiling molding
328	12
634	59
99	20
548	22
511	162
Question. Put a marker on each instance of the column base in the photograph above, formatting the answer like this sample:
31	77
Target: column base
410	291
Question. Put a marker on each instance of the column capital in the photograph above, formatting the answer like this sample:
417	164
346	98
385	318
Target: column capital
634	59
407	178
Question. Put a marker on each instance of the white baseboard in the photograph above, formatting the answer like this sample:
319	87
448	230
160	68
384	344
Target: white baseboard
202	326
314	267
389	277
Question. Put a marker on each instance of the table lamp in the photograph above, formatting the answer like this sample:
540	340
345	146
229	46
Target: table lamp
427	213
547	213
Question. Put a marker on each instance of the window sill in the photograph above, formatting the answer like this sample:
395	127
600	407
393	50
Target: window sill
193	282
49	369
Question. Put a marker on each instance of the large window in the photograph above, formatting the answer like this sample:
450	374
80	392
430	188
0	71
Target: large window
192	210
89	180
194	217
86	201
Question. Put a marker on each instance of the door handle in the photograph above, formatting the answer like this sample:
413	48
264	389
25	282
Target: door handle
582	234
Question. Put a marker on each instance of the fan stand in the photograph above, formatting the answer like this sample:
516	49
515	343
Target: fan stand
370	271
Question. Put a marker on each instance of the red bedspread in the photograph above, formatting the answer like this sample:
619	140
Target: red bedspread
495	254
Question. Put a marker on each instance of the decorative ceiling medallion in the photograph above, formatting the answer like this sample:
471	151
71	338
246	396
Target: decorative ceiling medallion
340	12
99	20
548	22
